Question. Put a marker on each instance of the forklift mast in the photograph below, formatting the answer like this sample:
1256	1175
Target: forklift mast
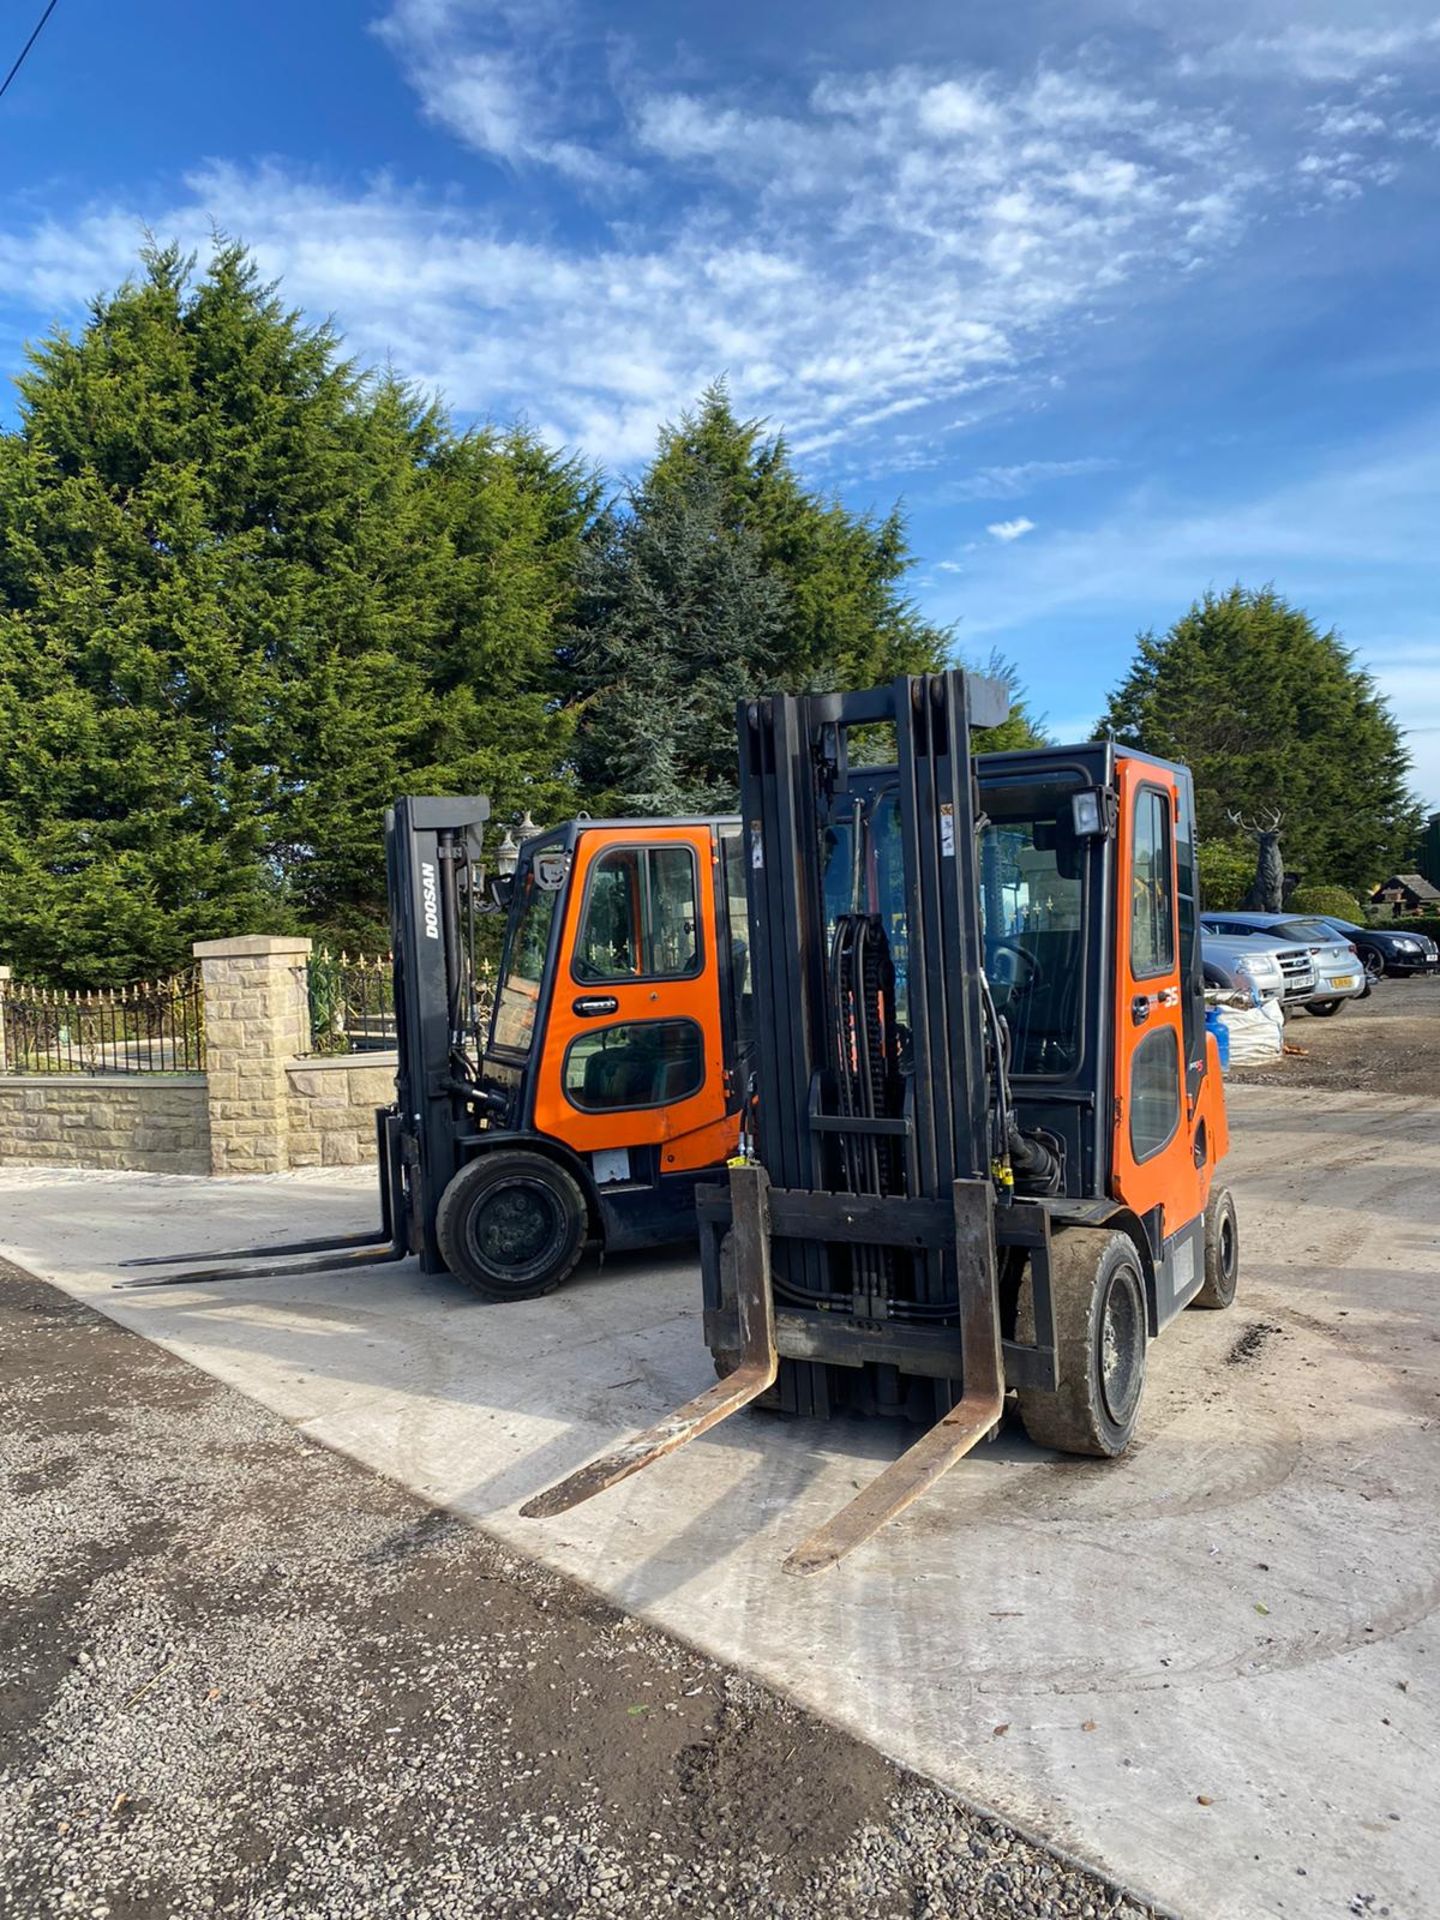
870	1024
433	873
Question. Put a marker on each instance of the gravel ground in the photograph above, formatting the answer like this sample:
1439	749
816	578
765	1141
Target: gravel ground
240	1675
1383	1044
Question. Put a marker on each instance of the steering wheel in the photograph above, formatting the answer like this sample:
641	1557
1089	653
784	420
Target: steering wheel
1034	976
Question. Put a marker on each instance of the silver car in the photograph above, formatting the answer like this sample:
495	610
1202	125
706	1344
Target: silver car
1243	963
1322	969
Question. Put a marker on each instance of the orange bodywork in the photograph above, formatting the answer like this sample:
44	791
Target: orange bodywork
698	1130
1148	1013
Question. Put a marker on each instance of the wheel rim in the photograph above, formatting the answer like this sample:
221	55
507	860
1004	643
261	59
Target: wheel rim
1374	966
1122	1346
514	1226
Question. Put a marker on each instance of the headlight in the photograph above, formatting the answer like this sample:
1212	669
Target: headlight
1407	945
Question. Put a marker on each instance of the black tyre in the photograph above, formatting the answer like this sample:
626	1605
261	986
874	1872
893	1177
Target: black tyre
512	1225
1322	1009
1374	965
1100	1338
1222	1251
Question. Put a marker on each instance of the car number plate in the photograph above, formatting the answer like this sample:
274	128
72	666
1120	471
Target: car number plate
1344	980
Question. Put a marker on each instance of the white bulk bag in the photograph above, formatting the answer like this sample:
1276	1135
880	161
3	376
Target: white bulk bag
1257	1034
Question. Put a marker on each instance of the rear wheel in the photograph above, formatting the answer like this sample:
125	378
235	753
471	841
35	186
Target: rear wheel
1322	1009
1222	1251
1100	1336
512	1225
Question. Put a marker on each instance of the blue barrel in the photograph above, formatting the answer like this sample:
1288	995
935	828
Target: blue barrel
1215	1024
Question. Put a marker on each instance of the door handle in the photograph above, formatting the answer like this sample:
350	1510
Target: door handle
592	1006
1140	1009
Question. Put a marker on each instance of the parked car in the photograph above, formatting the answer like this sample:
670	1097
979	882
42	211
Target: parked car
1322	970
1243	963
1385	950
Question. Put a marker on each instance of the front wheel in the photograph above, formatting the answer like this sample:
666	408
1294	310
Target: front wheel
512	1225
1101	1330
1322	1009
1222	1252
1374	965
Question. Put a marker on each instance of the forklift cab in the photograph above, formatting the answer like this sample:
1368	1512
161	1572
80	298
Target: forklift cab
1091	939
607	1081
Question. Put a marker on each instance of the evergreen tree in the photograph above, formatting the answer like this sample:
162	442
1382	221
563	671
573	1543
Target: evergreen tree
1268	711
847	620
802	594
246	597
680	619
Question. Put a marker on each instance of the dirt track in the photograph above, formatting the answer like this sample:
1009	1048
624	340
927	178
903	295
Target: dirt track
1389	1042
240	1675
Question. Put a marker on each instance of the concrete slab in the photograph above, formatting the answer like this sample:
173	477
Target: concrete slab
1212	1668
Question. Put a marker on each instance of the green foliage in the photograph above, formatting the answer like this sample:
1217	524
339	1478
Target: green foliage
1334	902
1270	712
1226	869
721	576
847	622
679	619
249	595
246	598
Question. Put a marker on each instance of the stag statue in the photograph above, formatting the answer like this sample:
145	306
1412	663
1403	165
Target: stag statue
1267	889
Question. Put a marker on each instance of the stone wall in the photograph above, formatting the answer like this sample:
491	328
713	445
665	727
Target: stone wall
332	1107
261	1106
150	1123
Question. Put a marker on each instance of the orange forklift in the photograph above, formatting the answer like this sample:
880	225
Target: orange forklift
601	1089
983	1154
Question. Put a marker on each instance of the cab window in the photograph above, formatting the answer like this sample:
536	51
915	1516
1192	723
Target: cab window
1152	905
640	920
522	970
1154	1092
639	1063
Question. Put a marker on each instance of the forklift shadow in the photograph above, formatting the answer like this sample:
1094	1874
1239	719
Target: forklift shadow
480	1405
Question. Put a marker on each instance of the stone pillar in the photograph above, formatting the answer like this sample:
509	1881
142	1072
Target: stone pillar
4	982
256	1018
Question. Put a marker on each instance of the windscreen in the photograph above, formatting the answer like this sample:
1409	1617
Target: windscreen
522	968
1315	931
1032	880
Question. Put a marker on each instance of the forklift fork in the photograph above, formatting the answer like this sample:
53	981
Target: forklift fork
972	1417
377	1247
759	1363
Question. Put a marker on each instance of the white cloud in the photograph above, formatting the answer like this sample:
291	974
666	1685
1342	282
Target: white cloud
1008	483
884	244
1313	51
1007	530
1352	537
492	73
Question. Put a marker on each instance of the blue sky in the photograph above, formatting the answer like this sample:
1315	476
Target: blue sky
1124	299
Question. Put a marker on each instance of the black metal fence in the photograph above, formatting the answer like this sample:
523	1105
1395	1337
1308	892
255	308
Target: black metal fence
157	1026
352	1001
